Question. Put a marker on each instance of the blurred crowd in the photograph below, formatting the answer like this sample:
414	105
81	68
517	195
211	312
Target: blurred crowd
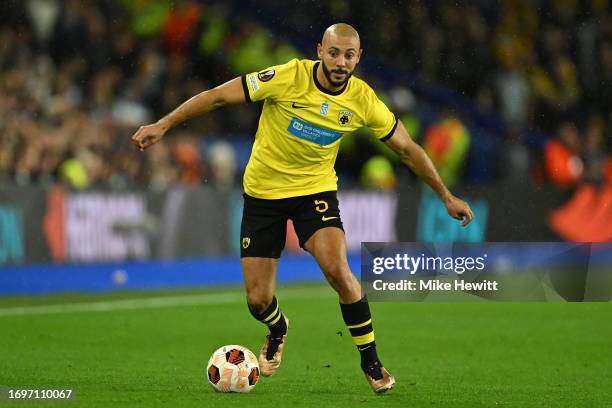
539	64
78	76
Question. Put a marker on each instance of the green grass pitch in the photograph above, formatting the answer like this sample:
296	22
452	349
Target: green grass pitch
134	351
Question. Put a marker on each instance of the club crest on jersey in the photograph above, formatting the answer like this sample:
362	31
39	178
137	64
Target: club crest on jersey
324	108
265	76
246	242
344	118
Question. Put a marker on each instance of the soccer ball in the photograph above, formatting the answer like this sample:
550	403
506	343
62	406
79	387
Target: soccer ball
232	368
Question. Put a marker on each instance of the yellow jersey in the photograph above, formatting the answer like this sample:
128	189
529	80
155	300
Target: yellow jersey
300	127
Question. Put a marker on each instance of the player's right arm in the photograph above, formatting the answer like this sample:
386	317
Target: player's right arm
231	92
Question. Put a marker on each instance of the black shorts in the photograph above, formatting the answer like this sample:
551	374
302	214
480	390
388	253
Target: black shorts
264	222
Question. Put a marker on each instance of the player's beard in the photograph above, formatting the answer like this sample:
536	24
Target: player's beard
328	74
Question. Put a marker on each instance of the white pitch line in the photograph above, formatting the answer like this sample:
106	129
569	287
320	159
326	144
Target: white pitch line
151	303
126	304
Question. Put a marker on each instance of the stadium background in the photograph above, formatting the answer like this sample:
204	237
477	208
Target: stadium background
510	98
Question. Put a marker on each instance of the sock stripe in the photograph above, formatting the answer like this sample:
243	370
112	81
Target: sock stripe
363	340
273	322
361	331
358	319
355	326
271	316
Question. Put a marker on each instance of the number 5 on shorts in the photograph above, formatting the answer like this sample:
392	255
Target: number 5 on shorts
321	205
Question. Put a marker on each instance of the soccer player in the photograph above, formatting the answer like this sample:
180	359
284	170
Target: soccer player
308	107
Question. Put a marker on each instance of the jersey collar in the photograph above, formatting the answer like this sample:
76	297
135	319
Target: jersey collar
321	88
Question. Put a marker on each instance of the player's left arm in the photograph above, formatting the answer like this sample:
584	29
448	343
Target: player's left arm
413	156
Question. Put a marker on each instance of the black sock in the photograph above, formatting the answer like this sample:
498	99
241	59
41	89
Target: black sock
359	322
273	318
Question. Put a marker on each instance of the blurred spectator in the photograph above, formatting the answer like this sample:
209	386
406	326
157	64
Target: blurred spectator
514	95
378	174
515	158
74	174
564	166
447	143
43	15
162	172
594	157
188	157
181	28
222	163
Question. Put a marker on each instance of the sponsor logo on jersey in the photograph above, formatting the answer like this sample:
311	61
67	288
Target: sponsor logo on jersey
324	108
312	133
265	76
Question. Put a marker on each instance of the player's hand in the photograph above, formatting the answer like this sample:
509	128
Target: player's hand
147	136
459	210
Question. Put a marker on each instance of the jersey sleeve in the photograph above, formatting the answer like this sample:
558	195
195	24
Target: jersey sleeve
270	83
380	119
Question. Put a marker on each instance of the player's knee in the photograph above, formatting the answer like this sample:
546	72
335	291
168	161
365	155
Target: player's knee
337	273
258	300
336	268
